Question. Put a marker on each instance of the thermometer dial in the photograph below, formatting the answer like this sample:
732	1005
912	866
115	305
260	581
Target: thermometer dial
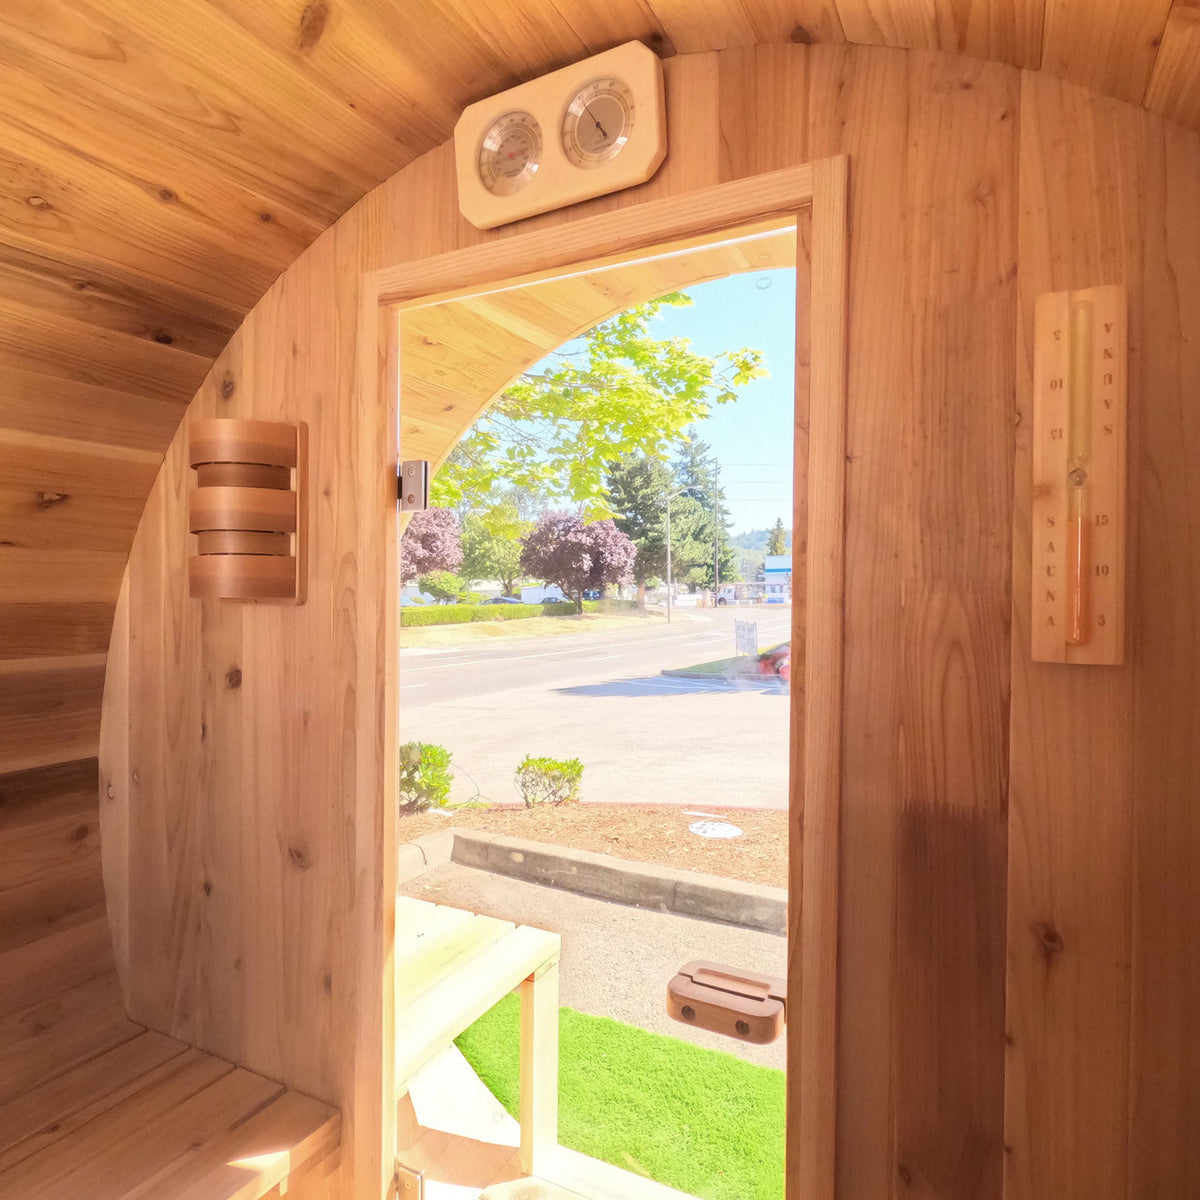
510	153
598	122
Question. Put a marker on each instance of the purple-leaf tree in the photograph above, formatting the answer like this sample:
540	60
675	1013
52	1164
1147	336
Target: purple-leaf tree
432	542
562	549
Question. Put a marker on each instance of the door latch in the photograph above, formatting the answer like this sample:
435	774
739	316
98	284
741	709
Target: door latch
739	1004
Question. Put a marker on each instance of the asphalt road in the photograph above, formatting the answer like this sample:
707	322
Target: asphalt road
433	676
642	738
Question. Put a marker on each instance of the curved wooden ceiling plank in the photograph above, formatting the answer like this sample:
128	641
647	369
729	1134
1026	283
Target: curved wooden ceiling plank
698	25
187	69
60	199
69	408
59	494
1106	45
43	630
60	576
271	232
799	21
602	24
49	711
1174	89
102	295
1007	31
39	341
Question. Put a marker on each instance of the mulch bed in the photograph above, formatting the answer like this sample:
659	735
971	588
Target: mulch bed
651	833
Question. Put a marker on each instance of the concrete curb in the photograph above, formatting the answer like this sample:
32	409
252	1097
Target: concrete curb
687	893
421	854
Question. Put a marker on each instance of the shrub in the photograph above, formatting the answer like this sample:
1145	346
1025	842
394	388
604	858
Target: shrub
553	780
506	612
437	614
425	776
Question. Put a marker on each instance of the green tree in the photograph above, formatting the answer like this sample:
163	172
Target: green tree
638	486
693	543
698	470
491	544
777	539
615	391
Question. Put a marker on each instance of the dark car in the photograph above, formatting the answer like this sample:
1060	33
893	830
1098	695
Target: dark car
502	600
591	593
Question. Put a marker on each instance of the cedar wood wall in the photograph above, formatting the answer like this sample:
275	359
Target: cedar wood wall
981	793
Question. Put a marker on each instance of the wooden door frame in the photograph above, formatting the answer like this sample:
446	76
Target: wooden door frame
815	194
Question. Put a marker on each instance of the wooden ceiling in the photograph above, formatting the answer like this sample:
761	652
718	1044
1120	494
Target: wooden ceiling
457	356
163	161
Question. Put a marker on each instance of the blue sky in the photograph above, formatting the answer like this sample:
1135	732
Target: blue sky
752	437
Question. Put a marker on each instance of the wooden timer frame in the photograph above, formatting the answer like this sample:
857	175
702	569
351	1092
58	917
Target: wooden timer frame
247	511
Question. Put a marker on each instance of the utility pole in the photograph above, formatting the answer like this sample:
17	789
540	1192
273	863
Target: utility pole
717	534
669	581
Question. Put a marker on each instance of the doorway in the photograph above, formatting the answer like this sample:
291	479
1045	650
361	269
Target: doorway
813	199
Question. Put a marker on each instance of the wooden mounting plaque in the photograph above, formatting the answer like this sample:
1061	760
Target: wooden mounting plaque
1080	378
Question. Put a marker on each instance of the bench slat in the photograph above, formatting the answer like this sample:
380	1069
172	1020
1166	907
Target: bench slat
56	1108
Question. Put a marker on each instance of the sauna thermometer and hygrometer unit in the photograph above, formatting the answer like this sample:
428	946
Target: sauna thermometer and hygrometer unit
1079	476
588	129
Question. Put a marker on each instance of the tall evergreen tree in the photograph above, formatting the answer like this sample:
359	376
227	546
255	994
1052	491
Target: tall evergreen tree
777	539
638	486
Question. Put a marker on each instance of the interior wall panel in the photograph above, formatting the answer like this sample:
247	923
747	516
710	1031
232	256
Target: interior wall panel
247	726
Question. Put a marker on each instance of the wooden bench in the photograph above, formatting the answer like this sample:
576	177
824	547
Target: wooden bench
93	1105
451	967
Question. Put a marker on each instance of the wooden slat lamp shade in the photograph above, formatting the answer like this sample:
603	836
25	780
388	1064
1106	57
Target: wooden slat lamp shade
246	510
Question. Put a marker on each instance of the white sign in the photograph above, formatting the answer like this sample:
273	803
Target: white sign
745	636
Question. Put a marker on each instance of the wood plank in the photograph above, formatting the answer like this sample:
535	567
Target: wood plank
97	294
53	836
1108	46
46	404
254	1156
57	493
58	1033
53	964
53	1110
955	563
190	1105
67	896
439	1015
49	711
695	26
804	22
46	343
155	69
767	88
1174	89
1165	984
822	410
1007	31
35	630
1071	758
538	1086
593	239
59	576
858	104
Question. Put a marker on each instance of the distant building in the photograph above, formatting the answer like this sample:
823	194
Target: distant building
777	575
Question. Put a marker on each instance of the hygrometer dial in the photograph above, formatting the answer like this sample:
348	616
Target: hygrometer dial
510	153
598	122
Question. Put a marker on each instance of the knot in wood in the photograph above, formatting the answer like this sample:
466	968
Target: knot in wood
1049	939
801	37
228	387
47	499
233	677
312	24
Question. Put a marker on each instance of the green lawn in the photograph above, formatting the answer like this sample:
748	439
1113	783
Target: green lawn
698	1120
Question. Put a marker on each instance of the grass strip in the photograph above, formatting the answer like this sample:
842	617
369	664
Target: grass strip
698	1120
